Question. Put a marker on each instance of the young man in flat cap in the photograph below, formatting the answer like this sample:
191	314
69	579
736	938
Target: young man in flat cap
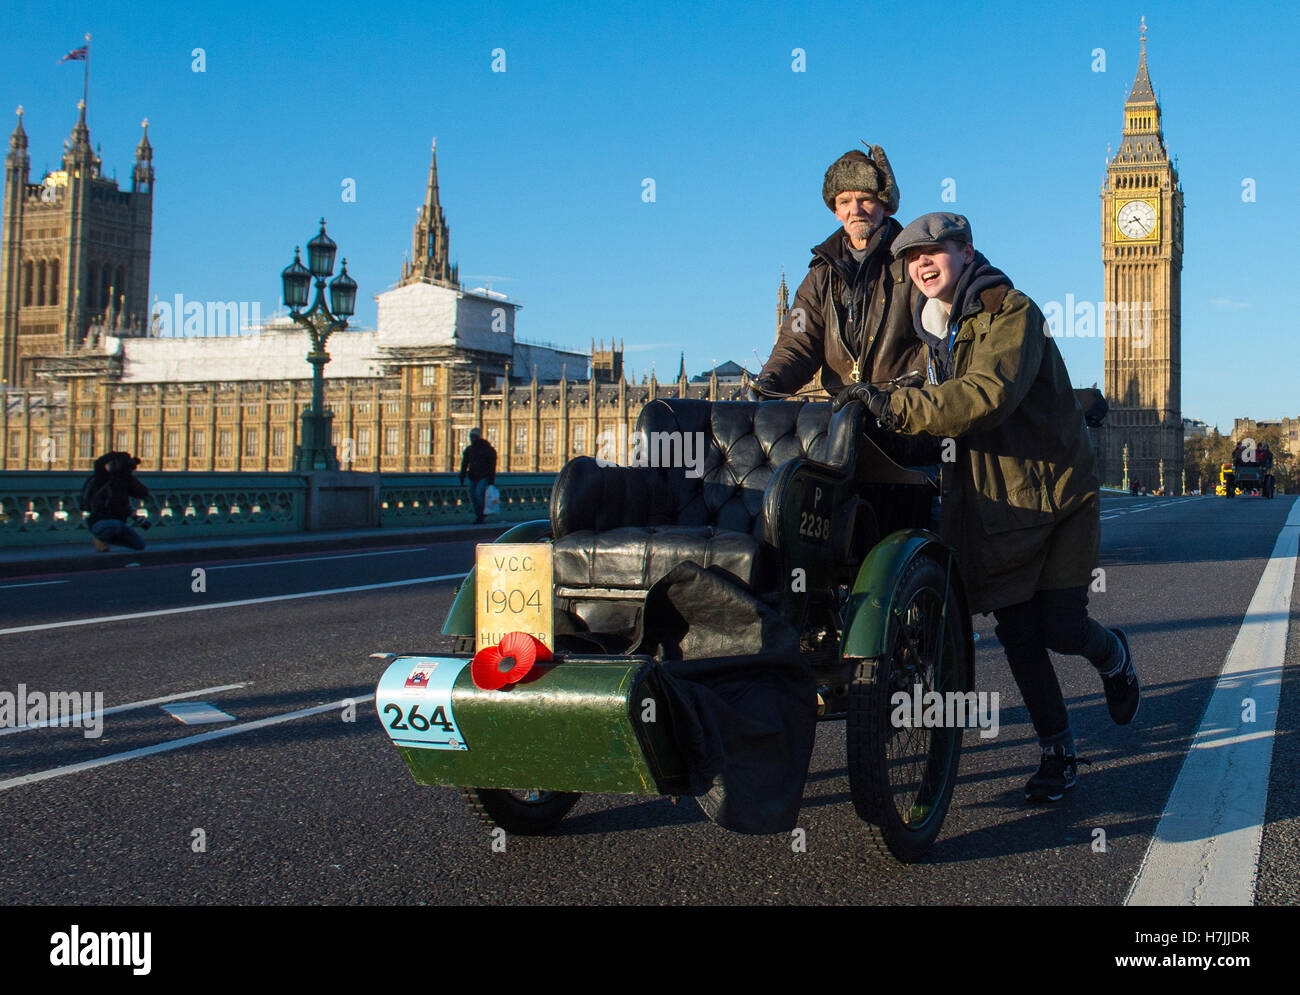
1020	504
852	314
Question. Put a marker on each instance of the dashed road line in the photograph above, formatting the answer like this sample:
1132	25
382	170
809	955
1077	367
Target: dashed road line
177	744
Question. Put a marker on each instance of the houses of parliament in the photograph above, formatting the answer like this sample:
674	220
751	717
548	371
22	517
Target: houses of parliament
81	373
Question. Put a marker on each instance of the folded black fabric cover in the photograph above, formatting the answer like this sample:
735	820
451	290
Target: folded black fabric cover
741	702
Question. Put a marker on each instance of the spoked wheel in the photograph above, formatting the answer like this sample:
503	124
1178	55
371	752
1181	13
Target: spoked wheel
524	813
901	775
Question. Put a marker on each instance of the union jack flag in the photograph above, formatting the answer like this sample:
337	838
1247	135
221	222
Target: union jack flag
76	55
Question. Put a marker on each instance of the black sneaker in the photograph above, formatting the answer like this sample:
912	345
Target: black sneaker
1056	773
1123	694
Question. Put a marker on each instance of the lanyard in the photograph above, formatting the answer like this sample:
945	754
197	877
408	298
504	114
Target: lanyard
932	368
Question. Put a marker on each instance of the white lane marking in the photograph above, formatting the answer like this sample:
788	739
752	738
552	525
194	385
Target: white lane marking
1205	850
128	706
35	583
176	744
313	559
196	713
228	604
1136	508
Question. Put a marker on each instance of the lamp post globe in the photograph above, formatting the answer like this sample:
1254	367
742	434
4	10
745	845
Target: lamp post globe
320	253
297	282
343	293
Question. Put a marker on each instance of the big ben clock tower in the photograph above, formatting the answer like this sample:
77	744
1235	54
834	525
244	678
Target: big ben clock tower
1142	254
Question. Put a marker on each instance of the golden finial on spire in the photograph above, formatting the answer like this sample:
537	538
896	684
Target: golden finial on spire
20	110
1144	32
144	123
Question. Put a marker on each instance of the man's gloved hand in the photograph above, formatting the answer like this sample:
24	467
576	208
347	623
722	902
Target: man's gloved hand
761	388
876	401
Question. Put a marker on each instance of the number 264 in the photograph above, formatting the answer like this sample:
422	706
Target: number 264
418	722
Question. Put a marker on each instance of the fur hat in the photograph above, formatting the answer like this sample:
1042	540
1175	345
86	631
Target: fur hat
856	170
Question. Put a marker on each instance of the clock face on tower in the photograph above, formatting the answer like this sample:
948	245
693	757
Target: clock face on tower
1135	219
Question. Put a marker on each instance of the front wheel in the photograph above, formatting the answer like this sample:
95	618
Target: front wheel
523	813
902	775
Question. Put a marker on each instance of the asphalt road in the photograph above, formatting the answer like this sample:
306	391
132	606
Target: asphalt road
320	809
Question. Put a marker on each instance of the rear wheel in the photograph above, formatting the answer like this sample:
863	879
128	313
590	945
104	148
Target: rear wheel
524	813
901	776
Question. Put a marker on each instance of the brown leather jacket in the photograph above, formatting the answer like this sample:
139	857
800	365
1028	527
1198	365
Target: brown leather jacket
818	332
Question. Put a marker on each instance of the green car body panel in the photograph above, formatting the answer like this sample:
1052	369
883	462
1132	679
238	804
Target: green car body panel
583	724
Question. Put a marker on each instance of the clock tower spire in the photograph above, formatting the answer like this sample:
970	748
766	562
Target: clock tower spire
1142	256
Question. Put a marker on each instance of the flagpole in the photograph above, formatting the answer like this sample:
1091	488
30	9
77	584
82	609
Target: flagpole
85	82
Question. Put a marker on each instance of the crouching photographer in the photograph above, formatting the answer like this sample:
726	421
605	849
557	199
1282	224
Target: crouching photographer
112	520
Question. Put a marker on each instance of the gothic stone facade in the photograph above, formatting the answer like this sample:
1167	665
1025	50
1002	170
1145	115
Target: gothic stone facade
417	419
74	252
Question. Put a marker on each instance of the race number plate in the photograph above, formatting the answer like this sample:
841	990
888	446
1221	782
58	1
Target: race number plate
815	514
515	592
413	700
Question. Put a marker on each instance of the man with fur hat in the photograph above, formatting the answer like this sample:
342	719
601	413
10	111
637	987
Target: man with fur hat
852	314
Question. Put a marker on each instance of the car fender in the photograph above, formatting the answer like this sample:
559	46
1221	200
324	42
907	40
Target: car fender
868	634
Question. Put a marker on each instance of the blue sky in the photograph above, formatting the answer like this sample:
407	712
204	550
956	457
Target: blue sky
541	166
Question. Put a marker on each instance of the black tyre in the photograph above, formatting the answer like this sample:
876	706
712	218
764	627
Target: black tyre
902	778
523	813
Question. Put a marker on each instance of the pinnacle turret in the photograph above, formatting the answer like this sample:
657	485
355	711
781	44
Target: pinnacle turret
430	255
142	173
80	130
18	140
144	151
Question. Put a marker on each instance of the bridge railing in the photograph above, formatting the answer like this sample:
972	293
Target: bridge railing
39	507
414	499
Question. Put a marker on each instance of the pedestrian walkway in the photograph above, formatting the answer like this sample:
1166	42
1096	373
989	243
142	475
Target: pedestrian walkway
27	561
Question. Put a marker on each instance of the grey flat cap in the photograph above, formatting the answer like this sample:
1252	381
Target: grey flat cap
931	229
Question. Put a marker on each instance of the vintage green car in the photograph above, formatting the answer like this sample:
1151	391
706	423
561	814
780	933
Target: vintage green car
763	566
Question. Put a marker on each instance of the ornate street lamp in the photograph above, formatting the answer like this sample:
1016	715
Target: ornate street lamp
316	450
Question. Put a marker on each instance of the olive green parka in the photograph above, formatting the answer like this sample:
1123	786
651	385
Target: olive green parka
1020	500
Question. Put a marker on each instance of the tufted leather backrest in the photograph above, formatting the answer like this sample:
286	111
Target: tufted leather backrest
737	446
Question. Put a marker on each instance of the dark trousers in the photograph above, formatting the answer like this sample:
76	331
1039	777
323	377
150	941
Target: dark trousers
477	493
1051	620
119	533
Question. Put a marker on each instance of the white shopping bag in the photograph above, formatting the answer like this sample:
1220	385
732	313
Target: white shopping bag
491	501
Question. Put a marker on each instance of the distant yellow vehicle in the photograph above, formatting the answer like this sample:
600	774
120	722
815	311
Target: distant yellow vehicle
1221	488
